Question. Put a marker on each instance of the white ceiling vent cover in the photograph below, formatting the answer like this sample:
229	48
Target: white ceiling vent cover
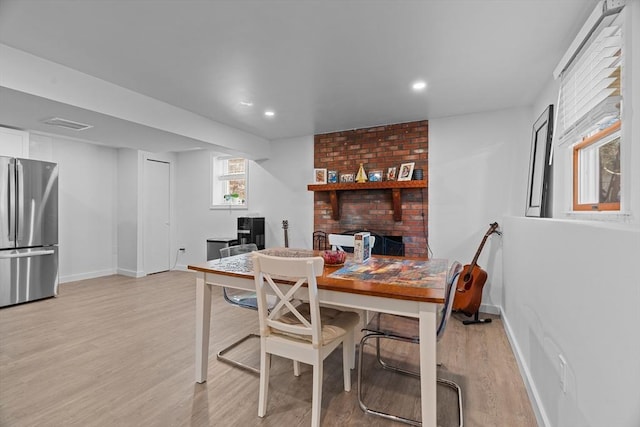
67	124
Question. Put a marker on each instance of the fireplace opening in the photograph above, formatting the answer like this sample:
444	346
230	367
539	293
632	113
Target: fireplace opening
384	245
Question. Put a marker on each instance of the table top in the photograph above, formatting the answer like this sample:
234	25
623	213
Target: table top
415	279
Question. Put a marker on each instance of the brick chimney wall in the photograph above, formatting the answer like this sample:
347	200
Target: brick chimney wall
377	148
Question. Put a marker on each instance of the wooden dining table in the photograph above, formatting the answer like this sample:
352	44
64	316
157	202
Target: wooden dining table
411	287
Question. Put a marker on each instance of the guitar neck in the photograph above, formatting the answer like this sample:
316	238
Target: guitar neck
285	227
492	229
477	255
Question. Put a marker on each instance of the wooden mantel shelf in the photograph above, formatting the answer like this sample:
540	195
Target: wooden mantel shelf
396	188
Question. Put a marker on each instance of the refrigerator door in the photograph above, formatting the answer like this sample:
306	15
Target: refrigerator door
37	203
7	203
28	274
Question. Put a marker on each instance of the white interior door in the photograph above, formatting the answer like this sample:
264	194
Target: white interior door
156	213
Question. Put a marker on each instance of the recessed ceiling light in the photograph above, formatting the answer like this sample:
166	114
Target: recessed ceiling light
419	85
246	103
269	113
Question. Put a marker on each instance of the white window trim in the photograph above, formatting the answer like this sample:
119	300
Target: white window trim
213	179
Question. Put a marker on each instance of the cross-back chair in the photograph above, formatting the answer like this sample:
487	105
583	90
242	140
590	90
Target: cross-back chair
303	332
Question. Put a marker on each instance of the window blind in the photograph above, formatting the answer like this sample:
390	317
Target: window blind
590	91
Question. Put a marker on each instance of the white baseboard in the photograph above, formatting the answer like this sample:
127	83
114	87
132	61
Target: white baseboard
490	309
85	276
532	391
131	273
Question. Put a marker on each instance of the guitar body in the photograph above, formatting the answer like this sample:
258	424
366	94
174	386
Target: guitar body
469	289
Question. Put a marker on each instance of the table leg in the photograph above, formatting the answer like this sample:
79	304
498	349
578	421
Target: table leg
203	325
428	364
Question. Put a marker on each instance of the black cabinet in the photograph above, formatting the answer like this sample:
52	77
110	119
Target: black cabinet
251	230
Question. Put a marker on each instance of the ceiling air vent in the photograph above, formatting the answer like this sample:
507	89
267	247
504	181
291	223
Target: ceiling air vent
67	124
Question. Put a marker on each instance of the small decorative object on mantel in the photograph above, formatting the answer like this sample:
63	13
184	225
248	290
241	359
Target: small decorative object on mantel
319	176
332	177
346	177
362	175
391	174
418	174
406	171
375	176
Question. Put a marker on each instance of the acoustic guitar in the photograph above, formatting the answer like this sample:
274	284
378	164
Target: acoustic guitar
285	227
471	281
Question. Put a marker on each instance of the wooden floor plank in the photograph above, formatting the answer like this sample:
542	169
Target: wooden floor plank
117	351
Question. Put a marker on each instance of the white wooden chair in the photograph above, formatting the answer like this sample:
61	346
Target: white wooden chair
305	332
340	241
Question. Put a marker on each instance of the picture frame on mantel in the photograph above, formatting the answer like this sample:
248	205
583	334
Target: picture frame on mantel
539	185
320	176
391	173
406	171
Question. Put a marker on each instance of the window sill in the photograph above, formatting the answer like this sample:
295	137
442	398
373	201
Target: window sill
620	217
228	207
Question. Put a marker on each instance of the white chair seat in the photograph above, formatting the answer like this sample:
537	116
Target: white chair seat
335	323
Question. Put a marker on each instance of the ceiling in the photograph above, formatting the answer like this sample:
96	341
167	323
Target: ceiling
321	66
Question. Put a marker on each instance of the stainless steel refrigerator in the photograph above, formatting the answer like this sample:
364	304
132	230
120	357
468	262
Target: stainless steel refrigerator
28	230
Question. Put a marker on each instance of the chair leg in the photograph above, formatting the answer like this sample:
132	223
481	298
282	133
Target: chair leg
363	406
389	366
458	391
296	368
316	399
221	354
265	363
366	409
347	354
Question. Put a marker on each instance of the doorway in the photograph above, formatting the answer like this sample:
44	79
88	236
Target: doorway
157	210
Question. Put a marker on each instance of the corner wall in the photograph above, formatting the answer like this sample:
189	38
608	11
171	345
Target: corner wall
477	173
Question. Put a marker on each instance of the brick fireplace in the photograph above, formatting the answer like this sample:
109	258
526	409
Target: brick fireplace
377	148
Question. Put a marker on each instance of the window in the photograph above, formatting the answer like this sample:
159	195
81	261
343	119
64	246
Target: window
596	166
229	182
590	116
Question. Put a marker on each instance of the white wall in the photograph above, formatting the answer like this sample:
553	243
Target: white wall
87	205
277	191
571	289
129	202
477	174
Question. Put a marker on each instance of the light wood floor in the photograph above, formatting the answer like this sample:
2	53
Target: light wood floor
117	351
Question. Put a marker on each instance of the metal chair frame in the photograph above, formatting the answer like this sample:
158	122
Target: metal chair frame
240	302
377	333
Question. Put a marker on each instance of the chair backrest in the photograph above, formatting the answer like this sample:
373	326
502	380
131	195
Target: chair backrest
452	279
238	249
340	241
267	269
319	240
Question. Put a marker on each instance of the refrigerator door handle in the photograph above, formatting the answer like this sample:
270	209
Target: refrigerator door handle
20	210
11	202
26	254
